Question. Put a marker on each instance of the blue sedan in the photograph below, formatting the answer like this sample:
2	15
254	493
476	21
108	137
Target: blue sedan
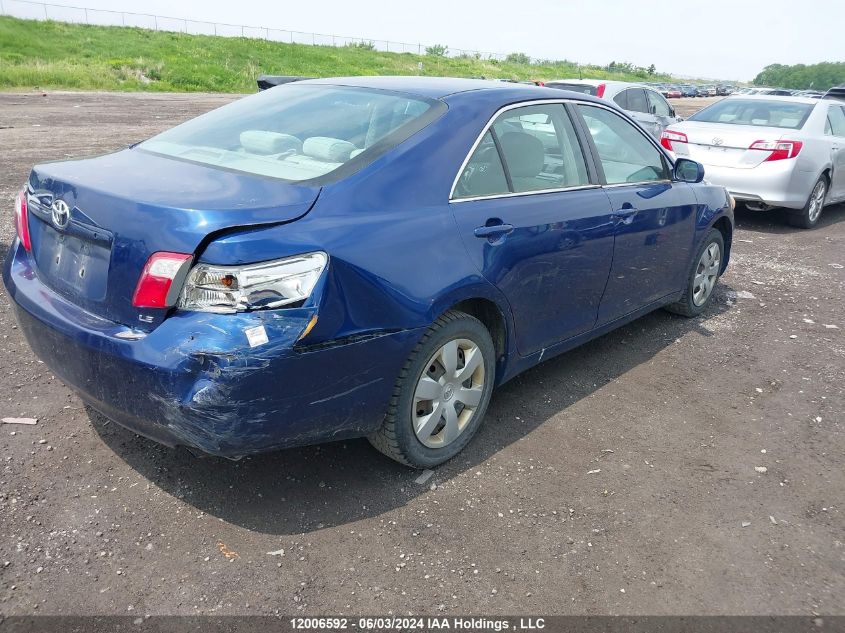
360	257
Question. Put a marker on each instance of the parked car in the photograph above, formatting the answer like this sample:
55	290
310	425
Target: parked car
689	91
354	257
645	105
770	151
674	92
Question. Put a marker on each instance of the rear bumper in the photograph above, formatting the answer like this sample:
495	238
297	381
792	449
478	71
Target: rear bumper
776	184
195	381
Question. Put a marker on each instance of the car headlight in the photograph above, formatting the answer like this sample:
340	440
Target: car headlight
267	285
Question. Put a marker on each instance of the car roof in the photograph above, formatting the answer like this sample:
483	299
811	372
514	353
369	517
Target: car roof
452	89
430	87
596	82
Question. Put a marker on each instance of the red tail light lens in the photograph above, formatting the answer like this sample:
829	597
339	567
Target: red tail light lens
670	136
155	288
600	90
780	150
22	221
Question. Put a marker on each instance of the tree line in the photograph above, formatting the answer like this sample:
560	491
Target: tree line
803	77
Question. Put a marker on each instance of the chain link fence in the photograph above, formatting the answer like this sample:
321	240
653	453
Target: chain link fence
31	10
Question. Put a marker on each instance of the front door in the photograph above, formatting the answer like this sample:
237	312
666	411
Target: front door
534	224
655	217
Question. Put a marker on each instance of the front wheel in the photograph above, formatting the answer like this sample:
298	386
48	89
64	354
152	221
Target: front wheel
707	266
441	394
808	217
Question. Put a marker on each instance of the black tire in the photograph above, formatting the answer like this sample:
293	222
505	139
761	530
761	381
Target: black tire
396	437
686	306
804	218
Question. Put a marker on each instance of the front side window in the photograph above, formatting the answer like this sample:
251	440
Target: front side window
298	132
626	155
658	104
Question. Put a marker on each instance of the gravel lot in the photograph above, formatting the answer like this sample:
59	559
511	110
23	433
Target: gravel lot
616	479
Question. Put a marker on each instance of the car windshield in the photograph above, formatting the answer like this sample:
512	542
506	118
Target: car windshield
582	88
298	132
783	114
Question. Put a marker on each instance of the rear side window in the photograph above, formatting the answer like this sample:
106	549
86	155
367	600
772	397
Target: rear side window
835	121
621	99
540	148
483	174
299	132
783	114
626	155
637	101
533	148
657	104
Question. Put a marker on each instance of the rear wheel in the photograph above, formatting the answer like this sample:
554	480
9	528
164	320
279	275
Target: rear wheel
808	217
707	266
441	394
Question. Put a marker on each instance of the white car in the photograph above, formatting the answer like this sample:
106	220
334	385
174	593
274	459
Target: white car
769	151
646	106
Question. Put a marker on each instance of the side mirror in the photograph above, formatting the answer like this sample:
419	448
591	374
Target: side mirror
687	170
672	112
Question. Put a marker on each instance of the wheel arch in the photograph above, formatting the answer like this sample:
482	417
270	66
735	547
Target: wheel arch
725	227
495	317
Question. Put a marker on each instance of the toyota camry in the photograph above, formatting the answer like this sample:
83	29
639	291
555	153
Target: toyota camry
361	257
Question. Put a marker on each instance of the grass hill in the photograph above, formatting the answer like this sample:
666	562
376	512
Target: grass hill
58	55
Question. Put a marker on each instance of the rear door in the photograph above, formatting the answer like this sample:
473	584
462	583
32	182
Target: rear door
835	131
536	224
654	217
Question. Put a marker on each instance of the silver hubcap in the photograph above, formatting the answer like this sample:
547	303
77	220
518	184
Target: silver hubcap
706	274
817	201
448	393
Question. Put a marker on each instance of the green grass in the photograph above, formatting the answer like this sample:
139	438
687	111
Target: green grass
57	55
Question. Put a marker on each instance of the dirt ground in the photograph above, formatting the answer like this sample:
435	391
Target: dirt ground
616	479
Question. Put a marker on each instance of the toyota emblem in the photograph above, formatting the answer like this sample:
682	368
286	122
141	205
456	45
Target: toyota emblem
60	214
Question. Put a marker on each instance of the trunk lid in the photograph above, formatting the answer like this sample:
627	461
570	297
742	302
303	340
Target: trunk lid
122	207
726	145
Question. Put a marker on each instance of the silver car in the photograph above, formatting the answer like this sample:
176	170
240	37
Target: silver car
769	151
646	106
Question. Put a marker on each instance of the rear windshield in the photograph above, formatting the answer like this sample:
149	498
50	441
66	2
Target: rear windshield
299	132
756	112
582	88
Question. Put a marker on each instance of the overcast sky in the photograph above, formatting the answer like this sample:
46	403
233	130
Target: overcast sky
731	39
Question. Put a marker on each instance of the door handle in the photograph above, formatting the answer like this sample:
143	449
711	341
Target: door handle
493	230
625	215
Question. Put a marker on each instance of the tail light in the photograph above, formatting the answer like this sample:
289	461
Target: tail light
670	136
780	150
600	90
156	287
22	220
266	285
